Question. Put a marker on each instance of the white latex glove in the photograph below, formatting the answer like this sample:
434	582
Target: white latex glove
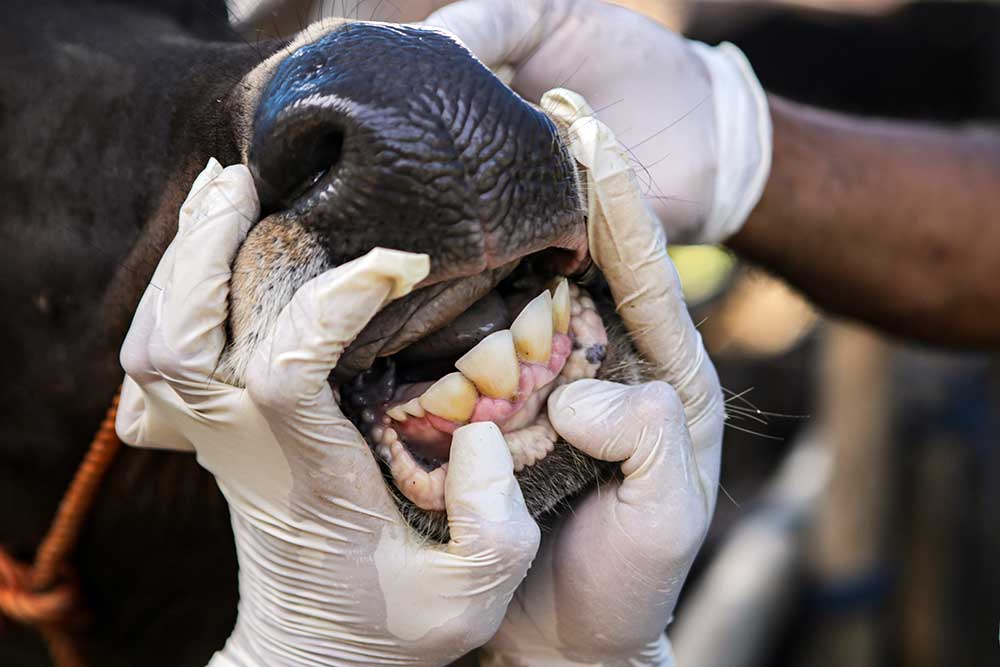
694	117
606	581
329	572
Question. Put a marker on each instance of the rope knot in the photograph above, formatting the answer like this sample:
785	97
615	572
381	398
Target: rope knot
46	595
58	604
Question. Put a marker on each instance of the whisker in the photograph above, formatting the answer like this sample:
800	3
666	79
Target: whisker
746	430
682	200
731	499
608	106
562	84
741	396
682	117
653	164
733	414
378	5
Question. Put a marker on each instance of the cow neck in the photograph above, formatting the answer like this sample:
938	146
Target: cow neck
46	595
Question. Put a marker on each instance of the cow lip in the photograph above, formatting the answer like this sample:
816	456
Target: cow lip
437	302
431	308
406	321
434	306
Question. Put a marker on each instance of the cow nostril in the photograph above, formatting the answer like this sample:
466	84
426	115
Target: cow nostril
395	136
297	154
320	158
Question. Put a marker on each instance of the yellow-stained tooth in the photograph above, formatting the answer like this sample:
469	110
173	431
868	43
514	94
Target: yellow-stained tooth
452	397
413	408
532	330
492	365
561	307
397	413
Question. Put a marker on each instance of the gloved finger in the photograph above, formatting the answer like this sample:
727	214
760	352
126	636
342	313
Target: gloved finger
628	244
135	349
486	511
493	536
637	537
499	33
136	426
463	588
288	370
189	336
643	426
134	355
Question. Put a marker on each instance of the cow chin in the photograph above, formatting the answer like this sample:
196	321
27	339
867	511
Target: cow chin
374	135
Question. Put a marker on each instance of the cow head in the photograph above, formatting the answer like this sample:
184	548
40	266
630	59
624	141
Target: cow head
366	134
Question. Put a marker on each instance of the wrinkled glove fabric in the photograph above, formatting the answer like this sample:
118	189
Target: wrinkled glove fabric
329	573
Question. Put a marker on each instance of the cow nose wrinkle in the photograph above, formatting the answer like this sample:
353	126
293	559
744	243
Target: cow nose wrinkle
395	136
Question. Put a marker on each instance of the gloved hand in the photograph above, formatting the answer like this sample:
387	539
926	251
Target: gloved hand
606	580
694	118
329	571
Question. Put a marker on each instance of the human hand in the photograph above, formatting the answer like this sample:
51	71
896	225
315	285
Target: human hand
329	571
606	580
694	117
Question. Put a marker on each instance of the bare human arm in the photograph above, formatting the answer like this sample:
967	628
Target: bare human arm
897	224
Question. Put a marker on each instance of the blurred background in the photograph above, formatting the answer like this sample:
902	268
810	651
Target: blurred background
858	523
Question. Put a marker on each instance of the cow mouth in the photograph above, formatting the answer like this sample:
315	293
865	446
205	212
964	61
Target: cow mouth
396	137
498	360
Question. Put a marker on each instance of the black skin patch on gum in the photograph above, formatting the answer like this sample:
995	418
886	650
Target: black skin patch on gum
366	391
596	354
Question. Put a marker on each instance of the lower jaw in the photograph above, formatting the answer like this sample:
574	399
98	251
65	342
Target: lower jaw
528	433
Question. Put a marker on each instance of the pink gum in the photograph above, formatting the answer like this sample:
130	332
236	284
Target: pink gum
532	377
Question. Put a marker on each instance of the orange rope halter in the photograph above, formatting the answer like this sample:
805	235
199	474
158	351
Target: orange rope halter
45	594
